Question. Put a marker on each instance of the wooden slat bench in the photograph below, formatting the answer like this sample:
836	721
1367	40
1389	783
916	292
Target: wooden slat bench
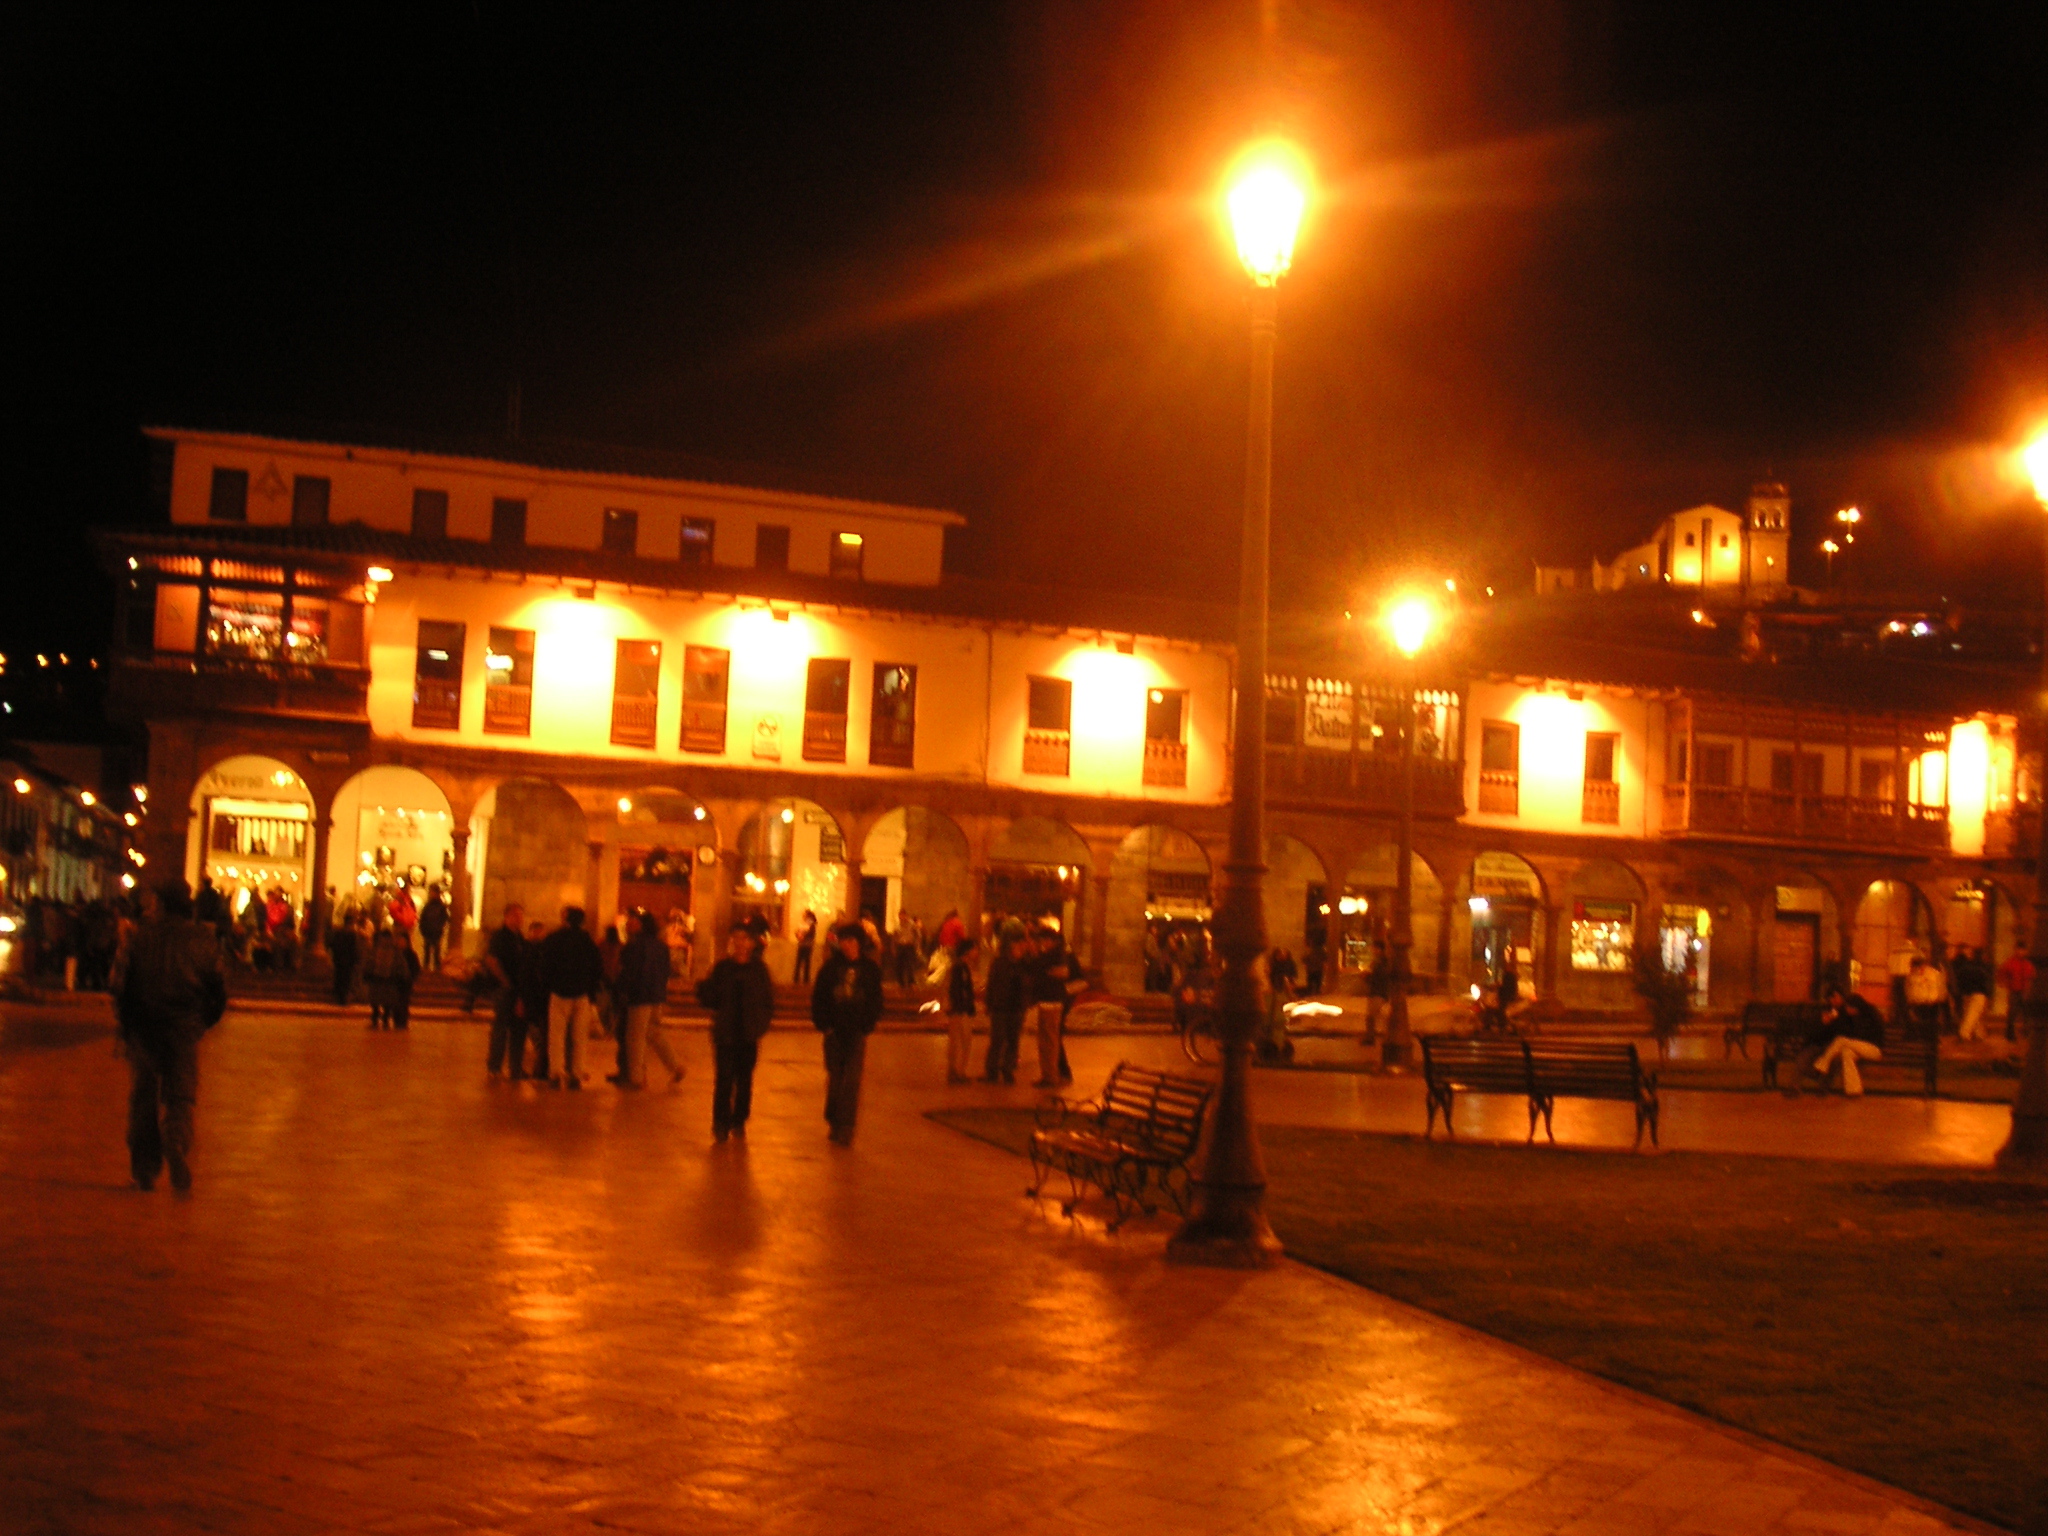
1135	1137
1914	1056
1541	1073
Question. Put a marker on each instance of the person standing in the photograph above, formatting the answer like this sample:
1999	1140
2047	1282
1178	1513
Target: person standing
2016	975
741	998
1926	996
344	951
846	1005
171	993
388	976
533	998
1972	976
959	984
573	971
405	914
502	962
1006	993
643	987
433	926
806	939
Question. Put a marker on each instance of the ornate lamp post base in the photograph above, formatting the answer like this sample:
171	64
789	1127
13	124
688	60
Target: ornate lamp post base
1227	1234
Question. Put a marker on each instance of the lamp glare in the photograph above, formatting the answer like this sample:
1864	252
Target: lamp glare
1266	200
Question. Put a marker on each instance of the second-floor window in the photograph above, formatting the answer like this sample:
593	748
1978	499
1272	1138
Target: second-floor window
508	521
430	514
1804	779
508	682
1166	752
229	499
694	545
621	531
1048	727
892	727
847	552
1602	798
636	693
1715	764
707	679
1500	768
437	677
309	500
825	693
1874	780
771	547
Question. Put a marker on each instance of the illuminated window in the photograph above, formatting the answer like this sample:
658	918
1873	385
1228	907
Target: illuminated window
1500	768
695	545
437	677
1603	935
430	514
847	549
825	694
1048	726
1602	798
636	693
621	531
508	521
508	682
229	501
309	500
771	547
707	677
245	625
1166	753
892	727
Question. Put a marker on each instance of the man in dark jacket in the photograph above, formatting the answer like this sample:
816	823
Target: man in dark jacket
572	971
433	926
533	997
741	998
643	988
1007	993
344	951
1851	1032
502	962
846	1005
171	993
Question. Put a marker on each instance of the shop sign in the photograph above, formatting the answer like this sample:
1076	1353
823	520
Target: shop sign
1503	876
1326	721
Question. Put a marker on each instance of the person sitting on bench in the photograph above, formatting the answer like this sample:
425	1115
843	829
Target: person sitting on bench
1851	1032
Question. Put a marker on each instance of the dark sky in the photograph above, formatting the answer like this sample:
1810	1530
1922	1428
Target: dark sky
1575	264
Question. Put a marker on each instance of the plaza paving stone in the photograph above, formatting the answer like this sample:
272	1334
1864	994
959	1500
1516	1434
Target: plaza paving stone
405	1299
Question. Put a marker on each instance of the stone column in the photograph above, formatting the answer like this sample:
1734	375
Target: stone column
593	884
458	882
852	912
977	882
1098	927
319	910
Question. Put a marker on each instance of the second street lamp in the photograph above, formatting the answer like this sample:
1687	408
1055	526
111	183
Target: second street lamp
1227	1224
1409	622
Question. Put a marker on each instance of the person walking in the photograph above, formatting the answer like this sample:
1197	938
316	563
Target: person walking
1972	978
846	1005
1006	993
171	992
388	975
433	927
502	963
806	940
741	999
959	987
572	971
643	987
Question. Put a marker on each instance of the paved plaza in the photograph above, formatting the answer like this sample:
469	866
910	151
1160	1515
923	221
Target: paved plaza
403	1298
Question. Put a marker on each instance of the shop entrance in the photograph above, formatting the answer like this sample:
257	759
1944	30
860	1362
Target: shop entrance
252	833
1685	943
1037	871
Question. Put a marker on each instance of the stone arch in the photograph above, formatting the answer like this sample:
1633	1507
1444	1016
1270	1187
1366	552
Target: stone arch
1159	885
654	857
1889	913
1805	942
1606	915
528	846
251	829
1707	929
920	859
1297	897
789	859
1500	908
1038	867
1365	910
389	825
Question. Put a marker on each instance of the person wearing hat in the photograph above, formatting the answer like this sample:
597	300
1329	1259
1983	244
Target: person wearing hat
846	1005
170	993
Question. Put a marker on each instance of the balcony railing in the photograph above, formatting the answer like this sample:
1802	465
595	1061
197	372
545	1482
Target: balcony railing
633	717
1500	792
824	738
1166	764
508	709
145	688
703	727
1776	815
1362	780
2013	834
1601	804
1048	752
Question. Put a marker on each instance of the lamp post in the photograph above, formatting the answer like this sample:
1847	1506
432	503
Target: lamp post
1226	1223
1831	549
1409	621
2026	1147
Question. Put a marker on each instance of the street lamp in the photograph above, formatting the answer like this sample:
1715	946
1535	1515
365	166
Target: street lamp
2026	1148
1409	622
1226	1223
1831	549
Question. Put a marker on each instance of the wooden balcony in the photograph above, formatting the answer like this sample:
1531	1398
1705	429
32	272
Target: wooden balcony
144	689
1310	776
703	727
508	709
1049	752
824	737
1767	815
1500	793
1166	764
633	717
1601	803
2013	834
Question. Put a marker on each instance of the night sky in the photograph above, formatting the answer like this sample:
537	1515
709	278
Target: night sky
1576	265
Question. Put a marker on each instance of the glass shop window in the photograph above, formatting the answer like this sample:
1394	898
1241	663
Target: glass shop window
848	549
636	693
696	541
826	687
508	682
437	677
707	681
892	727
1603	935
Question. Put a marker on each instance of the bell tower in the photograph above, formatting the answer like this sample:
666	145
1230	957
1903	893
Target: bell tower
1767	537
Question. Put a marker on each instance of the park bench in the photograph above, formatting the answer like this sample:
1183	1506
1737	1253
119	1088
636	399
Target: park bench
1133	1138
1784	1029
1770	1023
1541	1073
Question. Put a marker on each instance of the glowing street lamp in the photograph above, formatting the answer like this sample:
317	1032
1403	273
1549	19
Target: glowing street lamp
1831	549
2026	1147
1409	622
1227	1224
